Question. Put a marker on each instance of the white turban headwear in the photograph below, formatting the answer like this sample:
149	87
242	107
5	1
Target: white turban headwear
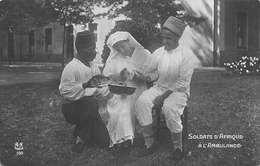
175	25
119	36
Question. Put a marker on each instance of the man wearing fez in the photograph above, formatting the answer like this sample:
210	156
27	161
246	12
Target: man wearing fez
79	107
174	66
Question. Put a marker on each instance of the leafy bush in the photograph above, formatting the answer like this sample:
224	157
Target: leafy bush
147	34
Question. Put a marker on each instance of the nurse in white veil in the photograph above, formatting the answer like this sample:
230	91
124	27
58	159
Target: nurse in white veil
125	52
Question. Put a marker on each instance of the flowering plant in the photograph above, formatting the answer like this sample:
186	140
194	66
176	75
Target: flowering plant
246	65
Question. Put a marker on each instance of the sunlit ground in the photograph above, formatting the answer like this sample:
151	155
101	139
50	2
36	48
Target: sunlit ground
30	113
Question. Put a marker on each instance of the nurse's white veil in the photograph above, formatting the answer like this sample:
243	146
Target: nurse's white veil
118	36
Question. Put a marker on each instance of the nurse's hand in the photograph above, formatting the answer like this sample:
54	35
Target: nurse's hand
117	77
127	74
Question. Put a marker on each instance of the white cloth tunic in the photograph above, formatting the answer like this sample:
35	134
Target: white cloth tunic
74	74
121	125
175	69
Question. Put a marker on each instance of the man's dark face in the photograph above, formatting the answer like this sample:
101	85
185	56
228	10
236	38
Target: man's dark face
88	54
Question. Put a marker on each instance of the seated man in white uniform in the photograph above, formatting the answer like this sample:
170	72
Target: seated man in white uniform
80	107
174	66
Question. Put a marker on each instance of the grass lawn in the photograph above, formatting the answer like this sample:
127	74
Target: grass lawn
30	113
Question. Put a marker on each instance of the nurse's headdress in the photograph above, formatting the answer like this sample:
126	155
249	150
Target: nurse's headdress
120	36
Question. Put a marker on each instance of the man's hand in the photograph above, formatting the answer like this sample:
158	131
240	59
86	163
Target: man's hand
140	76
86	85
95	81
158	102
99	76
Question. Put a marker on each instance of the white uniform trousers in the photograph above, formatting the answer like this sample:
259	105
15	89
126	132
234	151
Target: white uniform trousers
172	109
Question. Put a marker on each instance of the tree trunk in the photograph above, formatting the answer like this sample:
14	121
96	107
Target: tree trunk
63	45
10	47
21	48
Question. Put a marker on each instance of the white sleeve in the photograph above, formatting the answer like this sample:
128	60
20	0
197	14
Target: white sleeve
70	88
150	67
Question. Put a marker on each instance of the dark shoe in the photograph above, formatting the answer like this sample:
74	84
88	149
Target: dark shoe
146	151
78	147
177	155
75	133
125	144
138	141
